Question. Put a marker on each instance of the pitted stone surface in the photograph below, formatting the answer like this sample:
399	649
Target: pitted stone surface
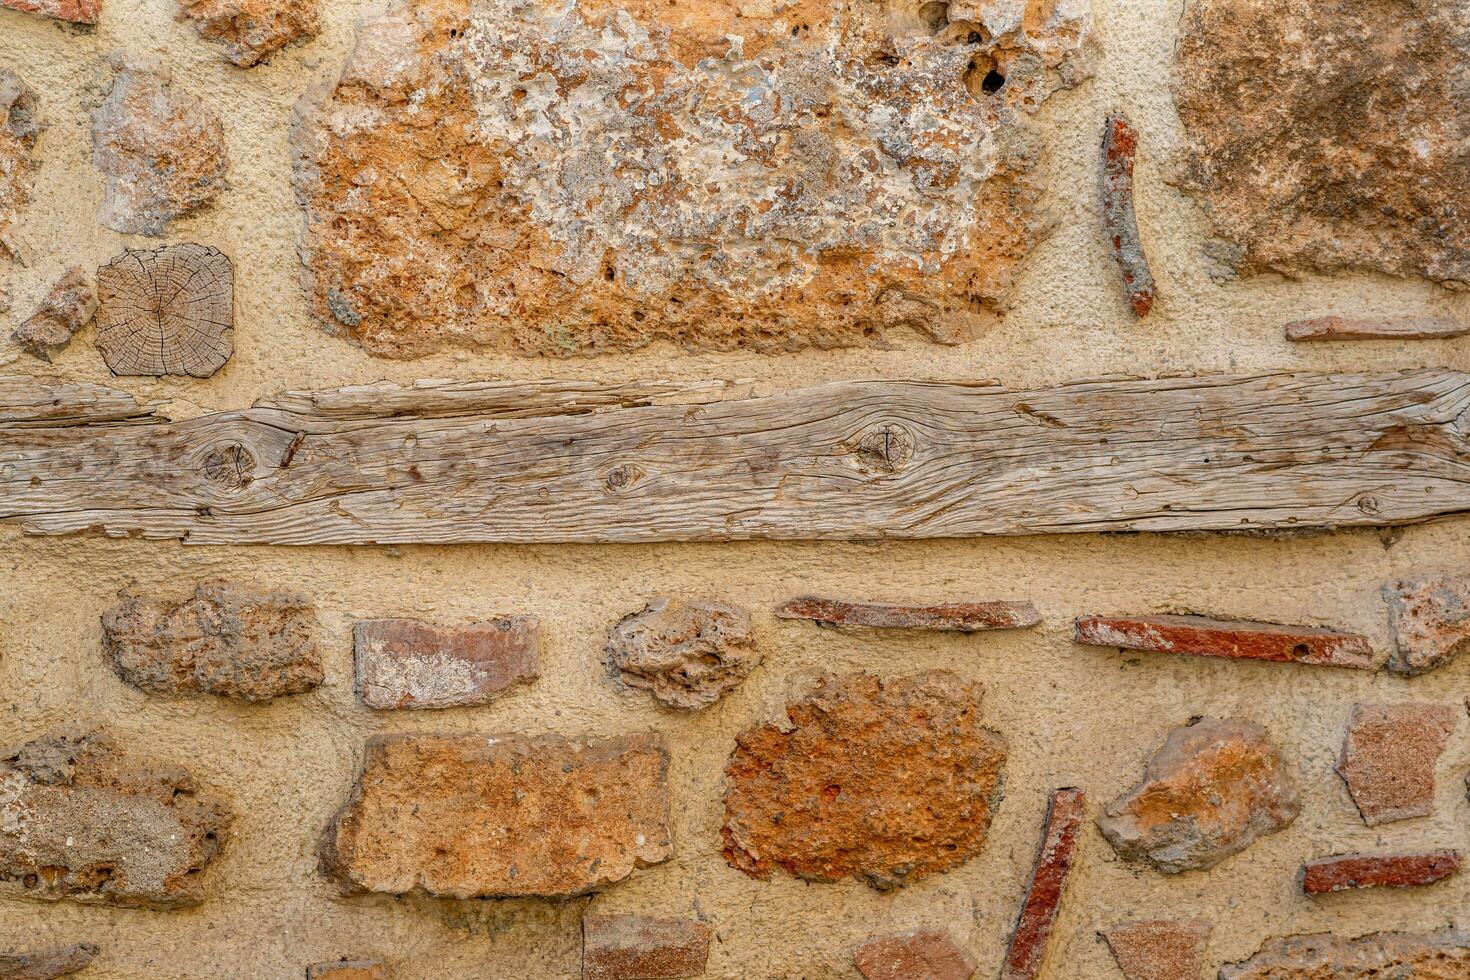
1159	949
560	178
687	654
64	311
884	781
1429	616
82	819
1443	955
1306	133
20	124
252	30
1207	793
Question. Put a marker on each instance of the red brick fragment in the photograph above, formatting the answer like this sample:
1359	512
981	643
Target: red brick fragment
404	663
1120	222
1048	881
1346	871
1159	949
921	954
642	947
1388	758
73	11
962	617
1204	637
1429	617
350	970
47	964
1400	328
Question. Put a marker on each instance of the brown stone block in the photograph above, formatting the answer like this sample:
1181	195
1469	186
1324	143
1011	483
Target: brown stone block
1402	328
64	311
350	970
404	663
83	12
47	964
688	654
1429	616
1443	955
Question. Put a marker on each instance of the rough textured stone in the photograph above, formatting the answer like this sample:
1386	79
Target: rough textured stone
252	30
75	11
688	654
922	954
1120	222
167	310
64	311
962	617
467	816
1207	793
82	819
642	947
1032	936
1388	758
224	640
568	178
350	970
1403	328
20	124
1159	949
45	964
1443	955
1429	617
1204	637
403	663
1347	871
884	781
162	152
1305	134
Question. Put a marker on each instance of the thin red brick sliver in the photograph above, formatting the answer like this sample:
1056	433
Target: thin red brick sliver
1048	882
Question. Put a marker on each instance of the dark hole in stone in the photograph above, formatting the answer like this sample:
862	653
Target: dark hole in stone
994	82
934	16
1300	650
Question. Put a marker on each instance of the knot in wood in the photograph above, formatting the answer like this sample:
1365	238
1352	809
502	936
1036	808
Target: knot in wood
1368	505
622	477
884	449
229	467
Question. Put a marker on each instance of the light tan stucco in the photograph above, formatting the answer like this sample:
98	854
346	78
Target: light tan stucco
1072	715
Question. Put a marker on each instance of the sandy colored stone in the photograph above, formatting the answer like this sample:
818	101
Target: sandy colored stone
162	151
45	964
1443	955
20	124
1210	790
551	178
166	310
467	816
252	30
884	781
224	639
643	947
1388	758
686	653
350	970
64	311
1159	949
82	818
74	11
920	954
1429	617
1306	135
404	663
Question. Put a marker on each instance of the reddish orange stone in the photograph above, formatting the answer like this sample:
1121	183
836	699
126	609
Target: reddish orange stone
1347	871
922	954
73	11
1204	637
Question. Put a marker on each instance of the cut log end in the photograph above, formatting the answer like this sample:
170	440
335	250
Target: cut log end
166	311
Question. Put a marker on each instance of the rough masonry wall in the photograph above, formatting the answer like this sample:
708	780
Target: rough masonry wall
356	211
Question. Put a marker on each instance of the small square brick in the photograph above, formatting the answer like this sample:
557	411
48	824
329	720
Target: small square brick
1159	949
1429	617
1348	871
642	947
404	663
922	954
1389	755
350	970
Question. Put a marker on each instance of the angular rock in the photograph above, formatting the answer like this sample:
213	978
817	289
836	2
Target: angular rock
1204	637
64	311
1443	955
162	152
1206	794
921	954
1029	941
1404	328
1348	871
1120	223
224	640
403	663
1159	949
1429	617
1388	758
350	970
82	819
884	781
1305	140
45	964
642	947
563	178
252	30
688	654
167	310
20	124
468	816
73	11
962	617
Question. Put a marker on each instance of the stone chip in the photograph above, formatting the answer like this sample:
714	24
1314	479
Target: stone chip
686	653
20	124
47	964
250	31
1388	758
1443	955
920	954
65	310
1429	617
1159	949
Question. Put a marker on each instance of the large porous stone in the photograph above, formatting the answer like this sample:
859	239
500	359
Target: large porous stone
1429	616
20	124
224	639
473	816
80	818
1443	955
1207	793
687	654
250	31
552	177
884	781
1327	135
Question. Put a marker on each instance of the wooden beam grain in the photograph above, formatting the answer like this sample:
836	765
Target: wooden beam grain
850	460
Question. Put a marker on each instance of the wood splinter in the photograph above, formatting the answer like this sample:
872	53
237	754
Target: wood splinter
1120	146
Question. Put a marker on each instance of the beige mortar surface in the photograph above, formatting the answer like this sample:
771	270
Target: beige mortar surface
1073	715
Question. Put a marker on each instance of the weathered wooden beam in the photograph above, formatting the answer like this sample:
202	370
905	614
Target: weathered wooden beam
850	460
